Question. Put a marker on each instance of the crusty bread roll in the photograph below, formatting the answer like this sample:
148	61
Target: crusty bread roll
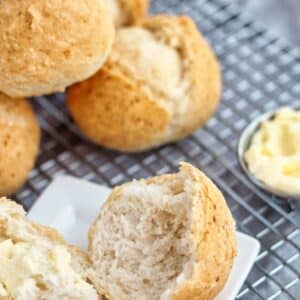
36	263
19	143
161	83
169	237
46	46
127	12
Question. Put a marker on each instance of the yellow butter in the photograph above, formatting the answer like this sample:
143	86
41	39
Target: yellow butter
29	270
274	153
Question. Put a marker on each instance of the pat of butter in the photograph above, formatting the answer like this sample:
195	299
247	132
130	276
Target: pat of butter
36	271
274	152
3	292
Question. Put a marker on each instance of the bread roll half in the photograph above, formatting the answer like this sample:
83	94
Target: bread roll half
36	263
161	83
47	45
165	238
19	143
127	12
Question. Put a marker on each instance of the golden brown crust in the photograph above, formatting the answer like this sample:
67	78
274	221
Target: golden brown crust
19	143
215	244
47	45
213	233
93	103
125	117
135	10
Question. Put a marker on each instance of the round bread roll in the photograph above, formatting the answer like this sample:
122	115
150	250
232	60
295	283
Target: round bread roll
161	83
46	46
127	12
169	237
19	143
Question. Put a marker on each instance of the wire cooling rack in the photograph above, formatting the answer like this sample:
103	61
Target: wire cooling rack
260	73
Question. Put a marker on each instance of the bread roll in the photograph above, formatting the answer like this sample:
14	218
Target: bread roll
127	12
161	83
46	46
19	143
165	238
36	263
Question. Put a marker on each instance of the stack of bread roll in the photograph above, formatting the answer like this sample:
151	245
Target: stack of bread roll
134	82
45	46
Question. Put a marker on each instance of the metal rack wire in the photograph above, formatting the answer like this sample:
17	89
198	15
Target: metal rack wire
260	73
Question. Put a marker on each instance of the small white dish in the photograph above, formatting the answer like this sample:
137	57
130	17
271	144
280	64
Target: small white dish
70	205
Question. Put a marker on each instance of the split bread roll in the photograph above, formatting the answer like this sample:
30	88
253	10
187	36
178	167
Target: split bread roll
46	46
165	238
161	83
19	143
36	263
127	12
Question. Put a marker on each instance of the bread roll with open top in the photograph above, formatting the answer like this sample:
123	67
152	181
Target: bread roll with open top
161	83
170	237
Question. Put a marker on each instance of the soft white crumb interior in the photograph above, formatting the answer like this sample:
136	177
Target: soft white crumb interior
142	248
154	61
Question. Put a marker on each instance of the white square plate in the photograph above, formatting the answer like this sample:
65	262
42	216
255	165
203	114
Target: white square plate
70	205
